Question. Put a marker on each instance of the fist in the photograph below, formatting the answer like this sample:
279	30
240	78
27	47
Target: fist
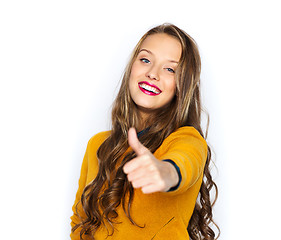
147	172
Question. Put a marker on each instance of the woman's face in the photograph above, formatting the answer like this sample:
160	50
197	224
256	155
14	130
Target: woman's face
152	81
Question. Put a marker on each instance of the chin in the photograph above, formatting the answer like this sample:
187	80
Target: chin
146	108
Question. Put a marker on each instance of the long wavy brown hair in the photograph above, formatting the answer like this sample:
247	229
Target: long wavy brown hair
110	188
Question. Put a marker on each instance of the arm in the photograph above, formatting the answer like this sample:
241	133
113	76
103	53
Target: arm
186	148
82	183
89	171
147	172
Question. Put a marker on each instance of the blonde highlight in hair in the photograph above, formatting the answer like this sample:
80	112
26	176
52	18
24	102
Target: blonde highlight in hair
111	189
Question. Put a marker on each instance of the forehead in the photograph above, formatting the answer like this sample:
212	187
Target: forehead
164	45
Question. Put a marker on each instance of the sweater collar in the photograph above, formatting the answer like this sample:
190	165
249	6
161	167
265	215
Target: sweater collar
142	132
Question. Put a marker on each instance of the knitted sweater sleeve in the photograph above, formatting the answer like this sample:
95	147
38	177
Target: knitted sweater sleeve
88	173
188	149
77	205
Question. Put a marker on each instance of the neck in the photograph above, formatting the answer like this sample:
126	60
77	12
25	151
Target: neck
142	123
147	117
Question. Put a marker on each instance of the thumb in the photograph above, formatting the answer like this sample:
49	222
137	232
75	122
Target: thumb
135	143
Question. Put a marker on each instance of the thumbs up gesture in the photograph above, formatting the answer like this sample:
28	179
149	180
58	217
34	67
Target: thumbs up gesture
147	172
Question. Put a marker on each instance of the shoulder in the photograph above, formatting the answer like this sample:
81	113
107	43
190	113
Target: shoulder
186	133
98	139
185	140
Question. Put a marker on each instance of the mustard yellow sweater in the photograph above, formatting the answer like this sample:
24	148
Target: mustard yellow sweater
164	214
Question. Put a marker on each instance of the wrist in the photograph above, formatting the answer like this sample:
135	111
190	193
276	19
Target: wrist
175	174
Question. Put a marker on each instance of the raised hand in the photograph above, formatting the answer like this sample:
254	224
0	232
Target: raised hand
147	172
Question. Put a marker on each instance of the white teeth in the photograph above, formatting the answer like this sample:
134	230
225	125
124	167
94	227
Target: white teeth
149	88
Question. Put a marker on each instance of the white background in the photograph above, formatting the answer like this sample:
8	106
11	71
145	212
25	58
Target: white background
60	65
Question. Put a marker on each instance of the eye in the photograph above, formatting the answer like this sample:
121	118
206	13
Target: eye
170	70
145	60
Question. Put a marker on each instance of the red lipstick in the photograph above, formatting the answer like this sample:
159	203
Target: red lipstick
149	89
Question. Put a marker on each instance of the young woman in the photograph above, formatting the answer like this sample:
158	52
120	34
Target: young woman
141	180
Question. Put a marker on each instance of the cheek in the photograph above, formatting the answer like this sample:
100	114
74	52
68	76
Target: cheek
134	70
132	85
172	87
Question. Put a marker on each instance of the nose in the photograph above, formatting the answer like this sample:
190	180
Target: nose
152	74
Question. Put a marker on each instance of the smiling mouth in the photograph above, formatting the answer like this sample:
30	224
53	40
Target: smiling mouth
149	89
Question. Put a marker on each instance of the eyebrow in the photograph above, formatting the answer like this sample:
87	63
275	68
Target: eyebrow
148	51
